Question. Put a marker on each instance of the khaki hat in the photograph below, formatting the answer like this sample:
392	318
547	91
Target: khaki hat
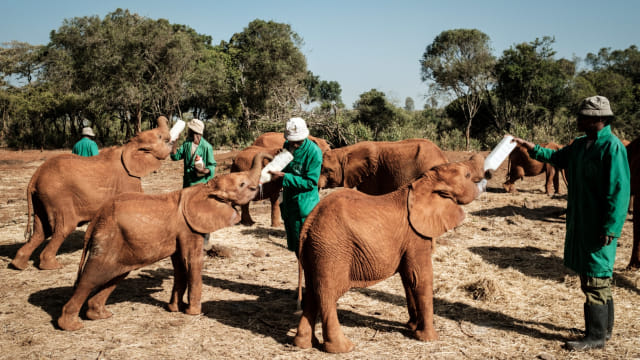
296	129
196	126
87	131
595	106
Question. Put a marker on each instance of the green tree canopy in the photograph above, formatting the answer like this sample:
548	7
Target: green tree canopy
459	62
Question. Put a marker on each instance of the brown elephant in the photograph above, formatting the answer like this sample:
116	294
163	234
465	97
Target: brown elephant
521	165
378	167
133	230
271	143
633	155
67	190
353	239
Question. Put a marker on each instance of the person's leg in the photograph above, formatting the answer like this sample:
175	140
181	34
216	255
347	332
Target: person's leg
596	313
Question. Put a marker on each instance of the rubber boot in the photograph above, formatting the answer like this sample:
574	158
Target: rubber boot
610	319
596	321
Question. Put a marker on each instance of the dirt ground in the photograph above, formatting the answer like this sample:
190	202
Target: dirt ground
500	289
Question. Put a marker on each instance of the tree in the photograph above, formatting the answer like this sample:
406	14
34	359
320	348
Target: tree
270	70
459	62
374	111
409	105
530	84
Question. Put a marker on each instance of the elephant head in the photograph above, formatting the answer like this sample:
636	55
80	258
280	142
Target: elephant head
207	207
346	167
434	199
142	154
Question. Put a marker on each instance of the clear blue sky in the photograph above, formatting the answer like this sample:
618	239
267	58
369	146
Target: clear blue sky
362	44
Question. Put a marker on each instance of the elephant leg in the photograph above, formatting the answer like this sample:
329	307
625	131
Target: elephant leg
48	259
411	303
556	180
97	303
21	260
305	335
69	319
245	217
334	339
550	179
194	260
179	284
417	276
276	219
634	263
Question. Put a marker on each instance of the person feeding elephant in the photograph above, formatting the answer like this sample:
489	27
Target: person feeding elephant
299	179
597	206
197	153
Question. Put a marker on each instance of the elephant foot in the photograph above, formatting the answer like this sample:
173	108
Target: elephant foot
97	314
193	310
343	345
19	263
247	222
175	307
70	323
412	324
306	341
633	265
49	264
426	335
276	224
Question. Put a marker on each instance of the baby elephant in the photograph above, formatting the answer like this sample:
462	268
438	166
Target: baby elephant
133	230
352	239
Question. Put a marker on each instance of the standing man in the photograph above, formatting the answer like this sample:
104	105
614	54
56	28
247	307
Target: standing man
299	180
197	153
597	206
86	146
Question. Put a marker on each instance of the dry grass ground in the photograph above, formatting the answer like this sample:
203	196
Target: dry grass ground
501	291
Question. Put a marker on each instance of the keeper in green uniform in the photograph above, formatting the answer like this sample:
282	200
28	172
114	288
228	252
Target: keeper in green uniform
86	146
195	146
299	180
598	199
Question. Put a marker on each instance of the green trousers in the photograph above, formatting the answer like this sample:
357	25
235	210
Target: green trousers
292	226
597	290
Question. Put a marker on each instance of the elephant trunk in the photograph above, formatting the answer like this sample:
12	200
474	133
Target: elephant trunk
257	165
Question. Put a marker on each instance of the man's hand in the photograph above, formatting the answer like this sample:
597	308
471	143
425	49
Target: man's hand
606	239
275	175
527	144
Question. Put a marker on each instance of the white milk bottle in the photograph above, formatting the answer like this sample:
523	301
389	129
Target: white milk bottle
277	164
499	153
176	130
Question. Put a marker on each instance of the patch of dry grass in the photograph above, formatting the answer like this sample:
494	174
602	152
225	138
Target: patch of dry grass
500	290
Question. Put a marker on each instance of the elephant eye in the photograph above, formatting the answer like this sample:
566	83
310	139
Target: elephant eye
468	175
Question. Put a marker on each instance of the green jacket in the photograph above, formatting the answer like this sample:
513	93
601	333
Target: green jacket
205	150
300	183
598	199
85	147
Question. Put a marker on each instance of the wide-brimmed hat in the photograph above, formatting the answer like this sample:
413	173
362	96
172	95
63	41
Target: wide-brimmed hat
595	106
87	131
296	129
196	126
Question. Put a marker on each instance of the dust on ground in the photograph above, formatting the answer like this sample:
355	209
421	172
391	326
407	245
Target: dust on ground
500	289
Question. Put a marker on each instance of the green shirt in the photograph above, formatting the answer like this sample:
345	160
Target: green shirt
205	151
598	199
85	147
300	183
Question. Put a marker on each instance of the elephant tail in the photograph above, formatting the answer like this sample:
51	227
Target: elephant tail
299	300
88	236
30	190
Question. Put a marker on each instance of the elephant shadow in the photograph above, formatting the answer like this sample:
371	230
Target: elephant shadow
529	260
137	289
462	312
266	233
553	214
72	243
272	313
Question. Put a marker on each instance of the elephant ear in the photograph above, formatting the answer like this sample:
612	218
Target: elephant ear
358	165
137	160
204	212
431	213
